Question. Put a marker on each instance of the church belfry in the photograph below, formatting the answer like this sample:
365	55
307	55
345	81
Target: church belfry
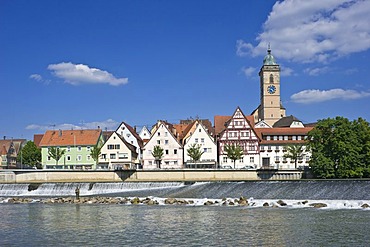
270	109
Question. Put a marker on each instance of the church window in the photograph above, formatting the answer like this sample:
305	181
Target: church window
271	78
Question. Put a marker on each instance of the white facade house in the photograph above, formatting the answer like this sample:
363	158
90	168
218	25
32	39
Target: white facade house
172	149
200	137
145	134
117	153
130	135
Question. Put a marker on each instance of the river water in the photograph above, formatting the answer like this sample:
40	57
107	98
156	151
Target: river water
129	225
342	223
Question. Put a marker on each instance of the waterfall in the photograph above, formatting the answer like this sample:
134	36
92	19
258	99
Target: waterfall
294	190
68	189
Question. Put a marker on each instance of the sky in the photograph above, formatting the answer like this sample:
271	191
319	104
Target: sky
83	64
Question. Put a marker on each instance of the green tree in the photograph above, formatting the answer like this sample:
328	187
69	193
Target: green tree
234	152
340	148
95	153
56	153
294	152
195	153
29	155
158	155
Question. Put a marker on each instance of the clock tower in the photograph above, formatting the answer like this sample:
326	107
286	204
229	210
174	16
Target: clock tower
270	109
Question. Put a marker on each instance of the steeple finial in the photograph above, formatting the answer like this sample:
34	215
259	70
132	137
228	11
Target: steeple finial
268	48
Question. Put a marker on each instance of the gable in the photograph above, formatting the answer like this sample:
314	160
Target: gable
162	133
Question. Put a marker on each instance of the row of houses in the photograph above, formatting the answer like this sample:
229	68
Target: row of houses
263	145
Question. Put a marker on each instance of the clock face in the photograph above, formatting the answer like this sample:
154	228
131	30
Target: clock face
271	89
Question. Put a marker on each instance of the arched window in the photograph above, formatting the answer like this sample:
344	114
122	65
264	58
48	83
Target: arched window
271	78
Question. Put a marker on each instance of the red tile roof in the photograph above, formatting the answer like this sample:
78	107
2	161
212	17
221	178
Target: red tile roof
220	123
70	137
37	139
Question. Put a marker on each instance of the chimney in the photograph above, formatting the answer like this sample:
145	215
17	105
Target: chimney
60	133
135	128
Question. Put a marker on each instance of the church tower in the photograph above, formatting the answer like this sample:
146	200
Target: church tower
270	109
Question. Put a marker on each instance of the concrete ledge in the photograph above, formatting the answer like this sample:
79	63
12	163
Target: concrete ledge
191	175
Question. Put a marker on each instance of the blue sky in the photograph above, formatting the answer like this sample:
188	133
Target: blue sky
84	64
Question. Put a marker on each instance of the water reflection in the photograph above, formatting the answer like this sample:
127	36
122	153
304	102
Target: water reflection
96	225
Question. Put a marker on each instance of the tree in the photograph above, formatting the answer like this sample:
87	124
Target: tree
157	154
56	153
195	153
234	152
294	152
340	148
30	155
95	153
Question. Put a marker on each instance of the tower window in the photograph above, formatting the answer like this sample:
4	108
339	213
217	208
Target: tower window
271	78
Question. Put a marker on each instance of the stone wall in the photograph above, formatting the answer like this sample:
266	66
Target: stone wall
54	176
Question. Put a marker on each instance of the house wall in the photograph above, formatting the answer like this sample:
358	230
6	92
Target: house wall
128	136
171	160
118	157
202	138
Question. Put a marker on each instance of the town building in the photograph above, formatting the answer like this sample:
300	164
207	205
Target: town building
77	145
117	153
237	130
198	135
172	150
10	149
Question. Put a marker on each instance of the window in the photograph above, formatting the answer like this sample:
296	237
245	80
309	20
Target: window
230	134
299	137
79	157
175	162
112	156
280	138
209	150
88	157
251	159
205	150
158	142
269	147
268	138
79	148
175	151
167	162
68	158
117	146
166	142
200	130
88	148
275	138
241	160
69	149
285	138
159	134
122	156
150	162
110	146
294	138
49	158
103	156
271	78
202	140
166	151
196	140
224	159
235	134
252	148
277	158
166	133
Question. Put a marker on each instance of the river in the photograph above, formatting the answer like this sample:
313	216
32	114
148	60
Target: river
342	223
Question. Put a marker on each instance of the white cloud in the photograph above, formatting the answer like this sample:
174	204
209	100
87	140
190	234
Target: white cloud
313	31
39	78
250	71
316	71
36	77
77	74
285	71
314	95
108	124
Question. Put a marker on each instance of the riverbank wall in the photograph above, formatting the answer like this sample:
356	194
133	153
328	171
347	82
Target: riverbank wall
185	175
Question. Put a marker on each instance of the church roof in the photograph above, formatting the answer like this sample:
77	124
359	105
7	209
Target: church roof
286	121
269	58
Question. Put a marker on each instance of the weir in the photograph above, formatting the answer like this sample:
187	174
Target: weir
295	190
